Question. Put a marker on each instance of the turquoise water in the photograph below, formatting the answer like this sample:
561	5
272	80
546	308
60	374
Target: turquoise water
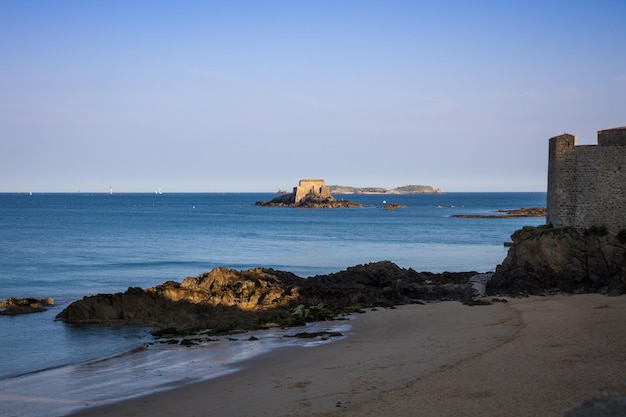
67	246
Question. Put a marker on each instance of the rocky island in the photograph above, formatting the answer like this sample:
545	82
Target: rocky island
311	200
309	194
316	194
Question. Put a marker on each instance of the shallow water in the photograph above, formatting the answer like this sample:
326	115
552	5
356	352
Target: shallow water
150	368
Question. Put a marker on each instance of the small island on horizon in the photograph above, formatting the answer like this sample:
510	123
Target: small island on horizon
406	189
314	193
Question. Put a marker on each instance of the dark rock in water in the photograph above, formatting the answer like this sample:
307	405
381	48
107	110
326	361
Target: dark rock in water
188	342
546	259
16	306
393	206
226	299
312	200
283	200
507	214
314	335
611	402
17	310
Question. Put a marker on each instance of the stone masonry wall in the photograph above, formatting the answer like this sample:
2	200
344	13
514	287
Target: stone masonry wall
587	184
306	186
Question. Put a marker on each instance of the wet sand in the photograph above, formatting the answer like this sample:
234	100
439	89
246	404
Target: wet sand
530	356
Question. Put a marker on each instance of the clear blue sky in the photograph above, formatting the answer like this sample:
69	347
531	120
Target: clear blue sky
254	95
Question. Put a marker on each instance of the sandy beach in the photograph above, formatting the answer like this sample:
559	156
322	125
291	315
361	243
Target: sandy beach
527	357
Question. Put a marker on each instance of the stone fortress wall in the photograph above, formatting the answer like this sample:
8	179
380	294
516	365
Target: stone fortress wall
587	183
306	186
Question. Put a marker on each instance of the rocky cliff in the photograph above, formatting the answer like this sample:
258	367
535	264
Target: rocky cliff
546	259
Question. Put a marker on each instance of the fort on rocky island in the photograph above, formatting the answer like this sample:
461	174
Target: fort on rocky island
587	183
309	194
307	186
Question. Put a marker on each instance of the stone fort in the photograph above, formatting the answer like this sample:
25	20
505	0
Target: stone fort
587	183
306	186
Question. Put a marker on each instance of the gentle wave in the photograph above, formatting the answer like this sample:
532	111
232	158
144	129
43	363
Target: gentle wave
143	369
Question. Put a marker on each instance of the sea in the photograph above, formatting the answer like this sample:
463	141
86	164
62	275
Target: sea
67	246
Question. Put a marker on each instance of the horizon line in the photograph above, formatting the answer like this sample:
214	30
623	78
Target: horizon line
246	192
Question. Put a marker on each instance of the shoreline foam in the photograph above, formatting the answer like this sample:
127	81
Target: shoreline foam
145	369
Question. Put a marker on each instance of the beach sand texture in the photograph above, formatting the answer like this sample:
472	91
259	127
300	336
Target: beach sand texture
528	357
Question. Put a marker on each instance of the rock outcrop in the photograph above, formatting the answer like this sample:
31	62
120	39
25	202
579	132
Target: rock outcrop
225	298
508	214
546	259
312	200
393	206
15	306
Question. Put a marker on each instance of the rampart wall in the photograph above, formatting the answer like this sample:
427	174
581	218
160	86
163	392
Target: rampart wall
587	183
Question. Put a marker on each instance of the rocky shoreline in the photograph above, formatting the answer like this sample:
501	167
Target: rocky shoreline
225	299
541	260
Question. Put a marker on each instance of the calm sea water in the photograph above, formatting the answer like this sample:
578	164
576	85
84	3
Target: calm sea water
67	246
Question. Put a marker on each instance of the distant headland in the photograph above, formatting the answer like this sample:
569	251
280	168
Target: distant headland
406	189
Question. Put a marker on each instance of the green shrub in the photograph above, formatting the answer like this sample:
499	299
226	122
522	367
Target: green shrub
549	229
621	236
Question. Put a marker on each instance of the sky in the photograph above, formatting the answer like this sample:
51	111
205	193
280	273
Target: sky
251	96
